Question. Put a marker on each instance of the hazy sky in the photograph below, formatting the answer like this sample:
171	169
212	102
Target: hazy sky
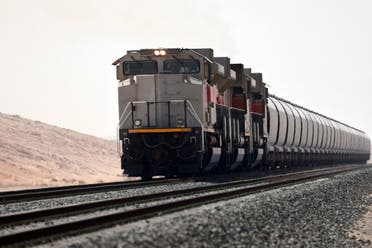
55	56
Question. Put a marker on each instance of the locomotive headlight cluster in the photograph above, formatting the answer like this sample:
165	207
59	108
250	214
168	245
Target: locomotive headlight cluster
160	52
180	123
137	123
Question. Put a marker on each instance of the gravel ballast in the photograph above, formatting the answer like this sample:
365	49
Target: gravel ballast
312	214
63	201
55	220
10	208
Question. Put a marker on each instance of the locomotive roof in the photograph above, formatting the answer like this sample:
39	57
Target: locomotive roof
206	53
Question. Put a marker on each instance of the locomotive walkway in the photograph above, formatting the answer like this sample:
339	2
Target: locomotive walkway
165	202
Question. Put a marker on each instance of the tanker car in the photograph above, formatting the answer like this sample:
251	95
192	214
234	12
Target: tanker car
186	112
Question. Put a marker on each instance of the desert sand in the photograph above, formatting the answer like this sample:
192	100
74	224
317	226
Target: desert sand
35	154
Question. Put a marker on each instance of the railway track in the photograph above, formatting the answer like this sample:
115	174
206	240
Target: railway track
195	196
52	192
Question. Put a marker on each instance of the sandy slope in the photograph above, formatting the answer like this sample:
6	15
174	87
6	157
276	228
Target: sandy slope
35	154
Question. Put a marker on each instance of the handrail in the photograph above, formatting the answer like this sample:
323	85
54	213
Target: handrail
195	115
118	145
123	118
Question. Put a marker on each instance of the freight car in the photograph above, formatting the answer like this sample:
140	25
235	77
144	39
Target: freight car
184	111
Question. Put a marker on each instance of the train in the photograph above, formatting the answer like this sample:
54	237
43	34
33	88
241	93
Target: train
185	112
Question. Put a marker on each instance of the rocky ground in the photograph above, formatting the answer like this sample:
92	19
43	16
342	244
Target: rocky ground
323	213
35	154
363	228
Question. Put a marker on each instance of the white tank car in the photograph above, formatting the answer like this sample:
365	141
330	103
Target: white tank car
298	135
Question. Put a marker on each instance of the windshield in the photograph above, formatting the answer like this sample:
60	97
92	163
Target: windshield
183	66
140	67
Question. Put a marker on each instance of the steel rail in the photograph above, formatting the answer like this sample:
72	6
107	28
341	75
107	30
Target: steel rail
116	202
33	194
60	191
95	223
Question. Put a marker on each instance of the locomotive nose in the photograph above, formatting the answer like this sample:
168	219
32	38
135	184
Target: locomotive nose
160	101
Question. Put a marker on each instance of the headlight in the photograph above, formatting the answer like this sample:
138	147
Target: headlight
160	52
137	123
180	123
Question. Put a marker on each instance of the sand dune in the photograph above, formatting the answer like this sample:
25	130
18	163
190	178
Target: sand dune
35	154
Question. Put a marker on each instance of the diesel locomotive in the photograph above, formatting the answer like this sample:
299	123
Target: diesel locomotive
186	112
